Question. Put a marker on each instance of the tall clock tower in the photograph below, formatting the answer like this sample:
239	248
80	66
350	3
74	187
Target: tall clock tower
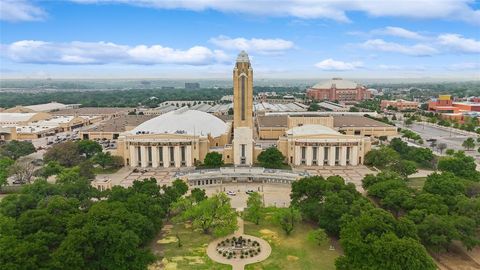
243	143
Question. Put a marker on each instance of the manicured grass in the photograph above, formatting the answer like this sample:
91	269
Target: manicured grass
293	251
416	182
192	253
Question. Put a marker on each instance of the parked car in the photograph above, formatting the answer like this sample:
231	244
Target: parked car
231	193
250	191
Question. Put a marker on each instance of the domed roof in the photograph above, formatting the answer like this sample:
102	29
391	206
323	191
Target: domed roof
339	83
312	130
183	121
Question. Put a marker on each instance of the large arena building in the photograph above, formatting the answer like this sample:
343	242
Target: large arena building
338	89
183	137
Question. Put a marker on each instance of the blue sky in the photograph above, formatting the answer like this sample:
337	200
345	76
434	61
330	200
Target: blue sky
200	39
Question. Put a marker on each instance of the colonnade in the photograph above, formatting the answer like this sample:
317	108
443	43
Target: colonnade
330	155
160	156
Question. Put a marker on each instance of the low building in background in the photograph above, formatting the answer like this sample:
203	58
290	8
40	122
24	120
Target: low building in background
338	89
112	128
47	107
399	104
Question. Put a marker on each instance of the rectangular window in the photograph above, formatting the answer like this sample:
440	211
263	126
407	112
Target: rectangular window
172	156
160	155
304	150
337	155
314	153
149	154
242	82
182	153
139	153
242	157
348	155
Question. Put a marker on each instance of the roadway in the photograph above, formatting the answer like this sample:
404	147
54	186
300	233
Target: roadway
451	137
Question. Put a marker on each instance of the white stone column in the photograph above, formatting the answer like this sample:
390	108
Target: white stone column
331	156
343	156
143	154
309	155
188	155
320	155
354	156
298	155
166	156
133	156
177	157
155	160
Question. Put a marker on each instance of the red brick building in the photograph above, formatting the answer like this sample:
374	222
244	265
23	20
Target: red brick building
339	89
400	104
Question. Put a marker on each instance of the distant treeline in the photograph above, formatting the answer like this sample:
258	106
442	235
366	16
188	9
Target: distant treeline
123	98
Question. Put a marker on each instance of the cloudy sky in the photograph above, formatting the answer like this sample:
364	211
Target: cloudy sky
200	38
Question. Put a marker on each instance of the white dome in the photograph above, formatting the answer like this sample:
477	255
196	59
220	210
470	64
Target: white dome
183	121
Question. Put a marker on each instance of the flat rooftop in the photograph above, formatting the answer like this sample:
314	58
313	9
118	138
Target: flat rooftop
93	111
119	124
356	121
272	121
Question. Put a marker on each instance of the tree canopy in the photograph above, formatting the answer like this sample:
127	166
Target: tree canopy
271	158
213	160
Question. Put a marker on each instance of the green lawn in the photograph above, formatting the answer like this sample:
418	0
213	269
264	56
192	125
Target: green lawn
192	253
291	252
416	182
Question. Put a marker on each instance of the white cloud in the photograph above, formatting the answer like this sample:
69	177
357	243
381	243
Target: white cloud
330	64
458	43
80	53
465	66
20	10
398	32
414	50
266	46
329	9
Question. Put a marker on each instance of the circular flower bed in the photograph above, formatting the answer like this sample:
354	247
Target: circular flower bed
238	247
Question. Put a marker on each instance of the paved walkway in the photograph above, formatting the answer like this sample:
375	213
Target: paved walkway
239	264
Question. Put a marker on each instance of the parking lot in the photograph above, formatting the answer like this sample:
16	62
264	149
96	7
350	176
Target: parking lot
452	138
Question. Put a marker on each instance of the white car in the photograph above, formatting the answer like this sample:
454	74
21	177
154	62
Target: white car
231	193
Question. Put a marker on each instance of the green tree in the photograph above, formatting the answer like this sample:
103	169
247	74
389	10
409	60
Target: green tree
213	160
450	152
287	218
459	164
5	164
89	148
198	195
375	232
254	208
382	157
408	122
441	147
104	159
404	167
469	143
318	236
51	168
66	154
15	149
271	158
437	232
213	215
